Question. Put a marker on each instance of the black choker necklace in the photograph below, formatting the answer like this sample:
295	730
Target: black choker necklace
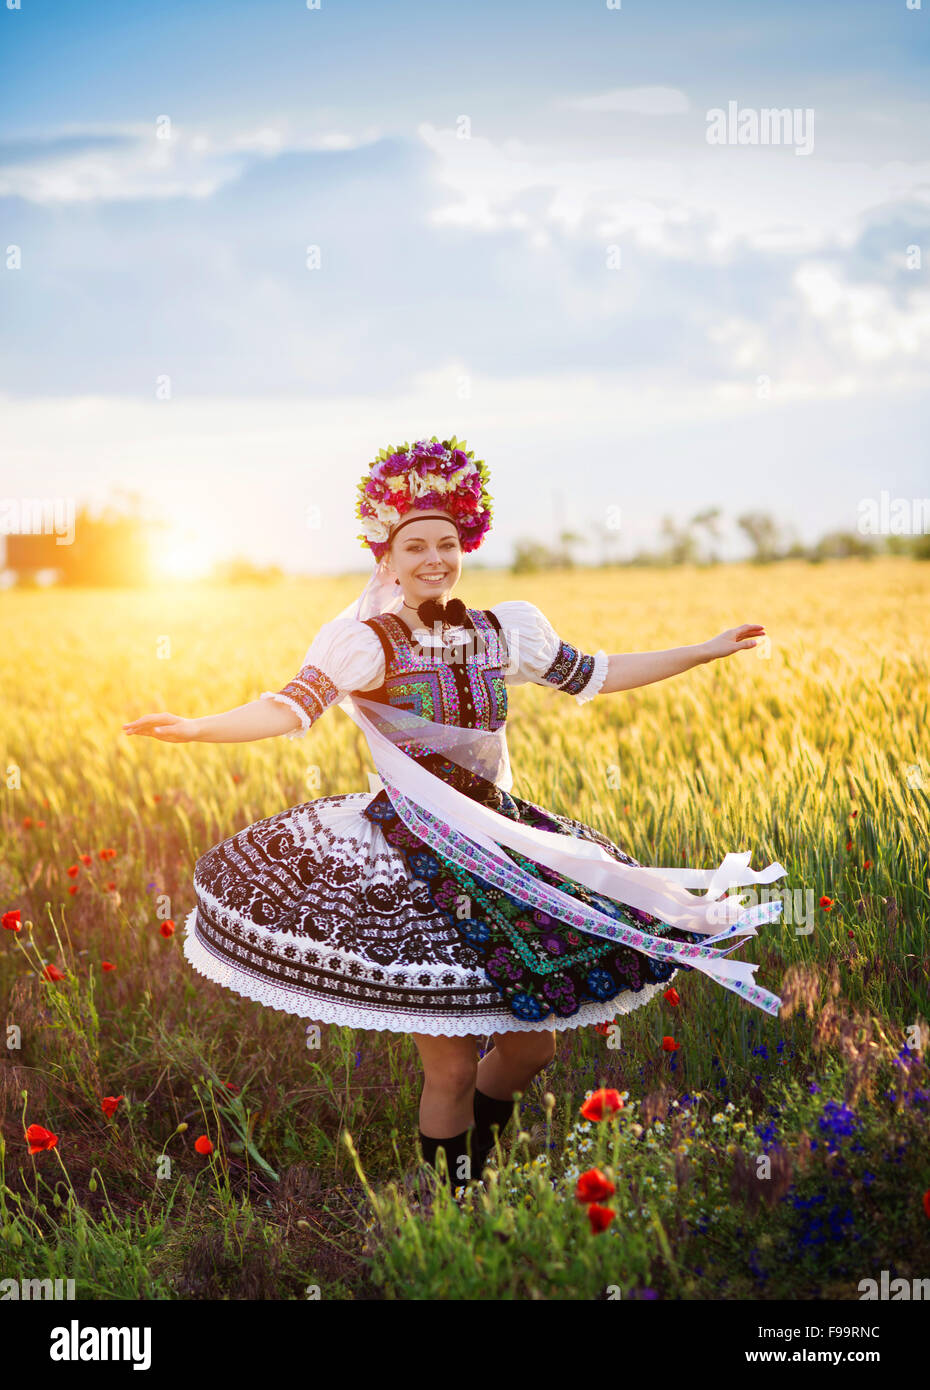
449	614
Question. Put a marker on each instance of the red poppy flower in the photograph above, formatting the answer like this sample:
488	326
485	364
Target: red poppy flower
927	1202
156	797
86	858
167	928
867	864
230	1087
601	1103
73	871
599	1218
107	965
672	995
826	903
51	972
203	1145
39	1138
854	813
27	821
670	1045
11	920
40	824
602	1028
108	1105
73	889
594	1186
236	777
849	844
849	933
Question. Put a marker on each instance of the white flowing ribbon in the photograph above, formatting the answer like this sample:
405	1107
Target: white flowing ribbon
469	834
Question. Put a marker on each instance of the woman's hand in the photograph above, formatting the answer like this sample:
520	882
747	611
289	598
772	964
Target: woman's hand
735	639
170	728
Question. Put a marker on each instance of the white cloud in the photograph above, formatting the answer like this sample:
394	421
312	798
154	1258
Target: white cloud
140	165
864	319
700	203
644	101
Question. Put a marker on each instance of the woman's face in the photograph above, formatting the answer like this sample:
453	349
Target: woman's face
428	546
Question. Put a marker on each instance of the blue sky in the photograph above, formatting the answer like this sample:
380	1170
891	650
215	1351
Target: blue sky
524	238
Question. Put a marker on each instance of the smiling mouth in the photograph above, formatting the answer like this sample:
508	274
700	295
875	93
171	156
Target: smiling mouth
431	578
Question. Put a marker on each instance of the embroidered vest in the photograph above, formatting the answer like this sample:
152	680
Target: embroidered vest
460	684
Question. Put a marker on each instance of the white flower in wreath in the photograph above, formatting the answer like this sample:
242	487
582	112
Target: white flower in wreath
418	486
374	529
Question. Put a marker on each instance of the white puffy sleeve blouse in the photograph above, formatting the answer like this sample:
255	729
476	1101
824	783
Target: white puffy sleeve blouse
540	655
346	655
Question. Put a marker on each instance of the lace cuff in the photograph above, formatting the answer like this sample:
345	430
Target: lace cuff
309	695
597	678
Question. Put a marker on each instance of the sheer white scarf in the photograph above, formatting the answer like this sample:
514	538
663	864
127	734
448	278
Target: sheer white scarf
461	830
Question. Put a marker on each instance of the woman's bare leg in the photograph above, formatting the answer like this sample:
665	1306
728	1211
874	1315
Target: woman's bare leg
513	1062
450	1066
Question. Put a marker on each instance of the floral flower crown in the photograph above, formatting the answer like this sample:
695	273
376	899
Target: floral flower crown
431	475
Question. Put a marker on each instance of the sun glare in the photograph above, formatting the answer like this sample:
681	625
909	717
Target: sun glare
182	556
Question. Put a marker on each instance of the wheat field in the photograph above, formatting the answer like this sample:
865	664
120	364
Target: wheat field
810	750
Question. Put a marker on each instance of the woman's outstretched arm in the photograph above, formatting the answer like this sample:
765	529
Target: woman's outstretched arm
244	724
627	670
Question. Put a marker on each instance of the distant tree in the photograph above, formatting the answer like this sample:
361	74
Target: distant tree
111	545
709	521
918	547
563	554
841	545
681	544
529	557
763	533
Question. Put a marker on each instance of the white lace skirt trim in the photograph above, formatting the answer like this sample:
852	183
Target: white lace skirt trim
298	1002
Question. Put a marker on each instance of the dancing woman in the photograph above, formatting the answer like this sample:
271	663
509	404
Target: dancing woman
437	903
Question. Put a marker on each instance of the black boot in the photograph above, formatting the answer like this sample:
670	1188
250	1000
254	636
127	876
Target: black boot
459	1151
488	1112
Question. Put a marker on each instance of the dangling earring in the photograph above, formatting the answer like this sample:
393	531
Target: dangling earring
396	581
